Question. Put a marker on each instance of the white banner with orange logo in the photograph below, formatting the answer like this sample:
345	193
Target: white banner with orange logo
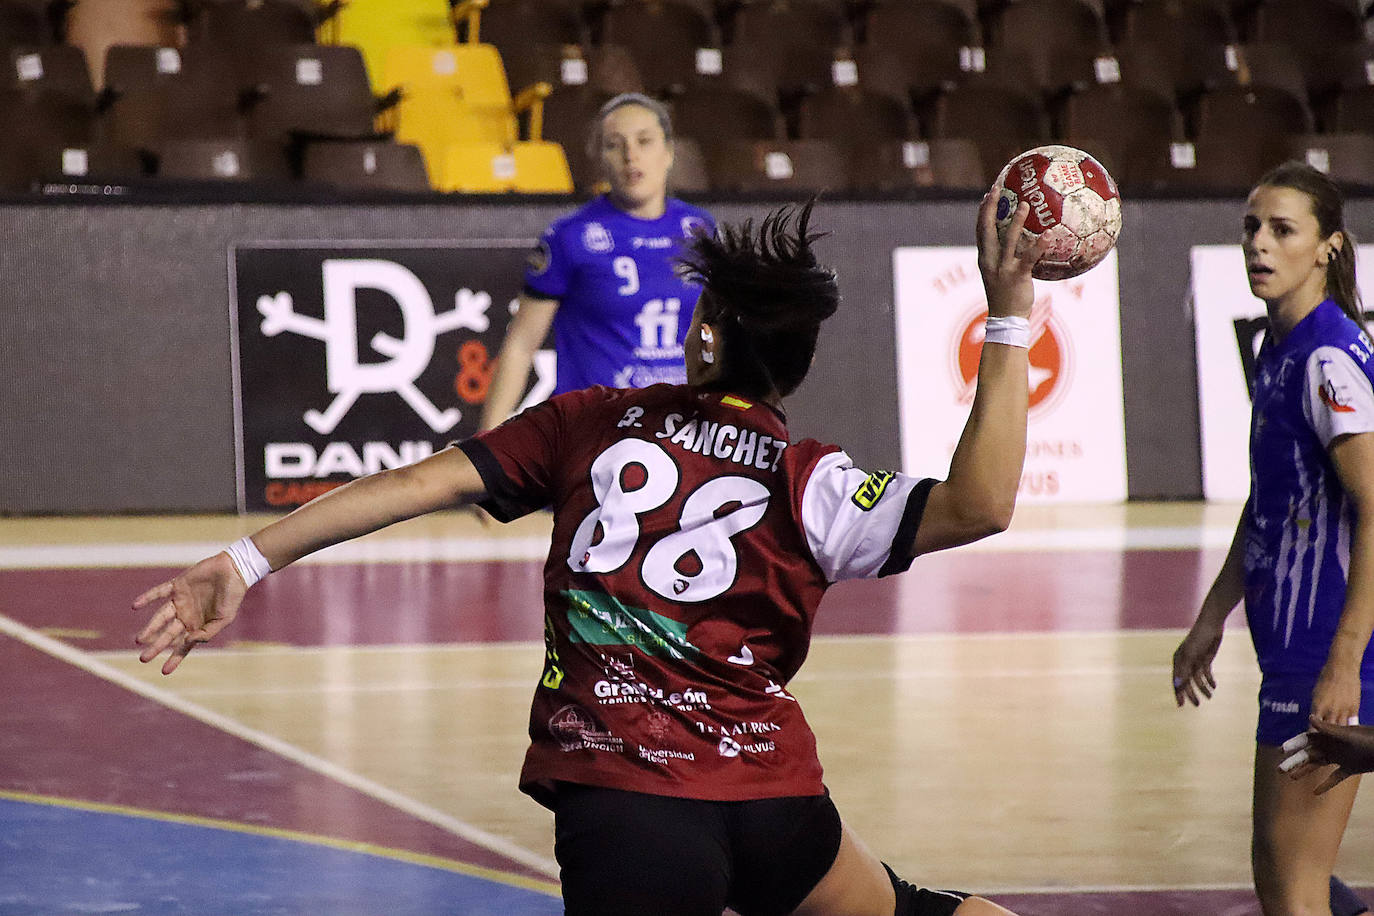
1076	449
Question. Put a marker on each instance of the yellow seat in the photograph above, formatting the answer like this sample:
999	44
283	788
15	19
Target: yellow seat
376	26
477	167
541	166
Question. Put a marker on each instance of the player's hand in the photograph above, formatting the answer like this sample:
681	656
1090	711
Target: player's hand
1006	274
1336	698
1193	661
1350	747
191	609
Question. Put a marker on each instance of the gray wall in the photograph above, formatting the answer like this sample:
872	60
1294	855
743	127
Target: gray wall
115	355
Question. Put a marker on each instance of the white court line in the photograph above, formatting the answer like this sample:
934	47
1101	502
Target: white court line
79	659
484	549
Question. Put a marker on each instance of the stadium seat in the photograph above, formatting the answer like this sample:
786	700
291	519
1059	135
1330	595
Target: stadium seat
606	67
56	71
512	24
789	167
903	165
663	37
917	44
1347	66
1000	119
487	167
221	160
25	24
1184	38
96	25
1209	166
1058	39
794	40
1122	124
241	27
1310	28
1346	158
157	93
1352	110
377	26
37	127
741	69
690	174
719	114
309	89
569	114
1257	118
365	165
854	118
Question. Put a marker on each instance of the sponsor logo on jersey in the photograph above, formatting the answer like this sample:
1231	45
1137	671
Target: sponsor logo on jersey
598	619
662	755
539	257
693	225
1276	706
872	489
576	729
1334	397
653	243
738	403
597	238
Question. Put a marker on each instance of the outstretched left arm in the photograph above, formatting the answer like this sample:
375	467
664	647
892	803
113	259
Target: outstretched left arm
196	605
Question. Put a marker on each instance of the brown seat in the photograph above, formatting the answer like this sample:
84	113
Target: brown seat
1346	158
1058	39
854	117
513	24
918	44
1310	29
57	71
365	165
718	114
1352	110
903	165
159	93
37	127
569	114
691	173
1257	117
1209	166
25	24
606	68
1183	38
241	27
998	118
663	36
221	160
1125	123
795	40
309	89
784	166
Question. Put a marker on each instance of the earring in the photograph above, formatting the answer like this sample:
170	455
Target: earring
707	339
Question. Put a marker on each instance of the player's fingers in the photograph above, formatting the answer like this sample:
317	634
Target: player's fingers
156	593
161	617
1294	760
183	649
169	634
210	630
1012	240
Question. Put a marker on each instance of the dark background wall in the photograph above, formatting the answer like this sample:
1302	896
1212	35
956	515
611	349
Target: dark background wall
115	382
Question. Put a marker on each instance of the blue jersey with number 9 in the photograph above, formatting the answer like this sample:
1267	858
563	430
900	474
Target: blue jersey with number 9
623	311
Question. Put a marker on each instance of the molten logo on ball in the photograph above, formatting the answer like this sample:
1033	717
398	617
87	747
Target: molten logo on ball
1074	206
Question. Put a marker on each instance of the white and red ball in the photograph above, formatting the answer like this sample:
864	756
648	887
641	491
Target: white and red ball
1073	202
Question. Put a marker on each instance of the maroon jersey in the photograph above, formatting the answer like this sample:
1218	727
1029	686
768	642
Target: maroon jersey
692	543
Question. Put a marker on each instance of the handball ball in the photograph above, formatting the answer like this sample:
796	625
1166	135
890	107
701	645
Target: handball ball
1073	202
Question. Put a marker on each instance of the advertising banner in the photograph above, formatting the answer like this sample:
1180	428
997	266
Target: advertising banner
1076	448
1230	324
351	357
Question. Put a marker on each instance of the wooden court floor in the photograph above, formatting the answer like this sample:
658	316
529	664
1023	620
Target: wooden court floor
999	719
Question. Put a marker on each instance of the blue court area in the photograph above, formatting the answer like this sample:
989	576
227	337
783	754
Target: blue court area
56	859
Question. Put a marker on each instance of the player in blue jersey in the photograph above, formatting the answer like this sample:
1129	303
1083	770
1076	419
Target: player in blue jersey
1303	554
603	276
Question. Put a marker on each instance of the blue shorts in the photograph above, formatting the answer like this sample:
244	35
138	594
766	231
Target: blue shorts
1285	701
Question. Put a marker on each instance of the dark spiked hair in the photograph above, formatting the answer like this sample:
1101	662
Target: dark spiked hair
767	295
1328	205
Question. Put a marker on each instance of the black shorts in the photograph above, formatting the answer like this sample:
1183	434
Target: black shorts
630	854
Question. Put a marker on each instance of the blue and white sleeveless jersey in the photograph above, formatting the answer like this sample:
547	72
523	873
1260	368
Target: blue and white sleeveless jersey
623	311
1312	386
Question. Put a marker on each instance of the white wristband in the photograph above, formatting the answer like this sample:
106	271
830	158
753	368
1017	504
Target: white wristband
248	560
1012	331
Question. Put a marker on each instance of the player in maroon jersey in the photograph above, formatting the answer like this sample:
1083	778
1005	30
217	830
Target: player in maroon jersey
692	542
